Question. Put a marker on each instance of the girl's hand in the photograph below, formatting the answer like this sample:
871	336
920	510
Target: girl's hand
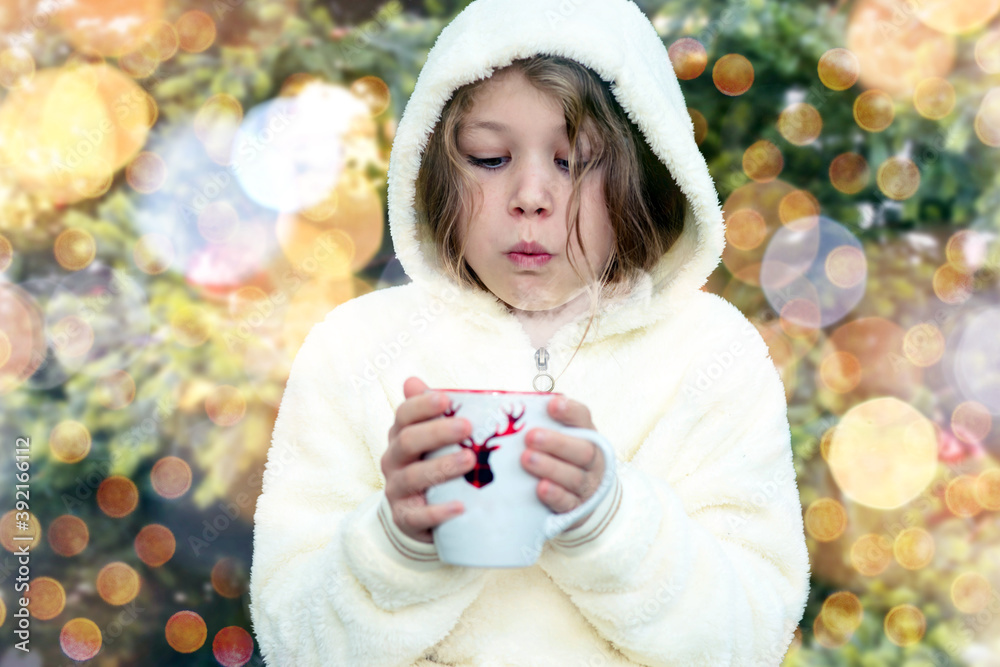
407	476
571	469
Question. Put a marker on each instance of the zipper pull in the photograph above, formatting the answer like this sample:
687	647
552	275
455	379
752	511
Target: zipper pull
543	381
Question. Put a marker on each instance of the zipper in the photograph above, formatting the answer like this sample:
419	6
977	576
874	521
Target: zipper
543	380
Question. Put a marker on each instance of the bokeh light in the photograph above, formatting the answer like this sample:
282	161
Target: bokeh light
934	98
69	441
688	57
914	548
799	209
800	124
118	583
883	453
80	639
196	31
871	554
988	51
155	544
763	161
960	496
229	578
107	27
226	405
988	489
842	613
9	529
115	390
874	110
971	592
374	92
697	119
967	250
956	17
733	74
839	69
904	625
186	631
977	358
821	268
898	178
849	173
826	519
987	123
171	477
117	496
46	598
971	422
232	646
68	535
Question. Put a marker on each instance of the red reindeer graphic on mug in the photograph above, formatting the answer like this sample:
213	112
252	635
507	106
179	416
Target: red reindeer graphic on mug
482	474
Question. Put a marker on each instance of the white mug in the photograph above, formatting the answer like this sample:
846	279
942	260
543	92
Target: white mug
504	523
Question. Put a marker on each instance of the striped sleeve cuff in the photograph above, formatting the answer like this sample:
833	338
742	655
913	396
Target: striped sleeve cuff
401	546
571	541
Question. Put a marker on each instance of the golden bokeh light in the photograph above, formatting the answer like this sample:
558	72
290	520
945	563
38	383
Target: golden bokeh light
115	390
971	592
65	135
871	554
904	625
46	598
75	249
162	37
171	477
733	74
839	69
846	266
68	535
72	337
374	92
763	161
914	548
799	210
153	253
898	178
826	519
765	199
951	285
960	496
80	639
225	405
850	173
825	636
956	18
934	98
874	110
840	371
688	57
883	453
923	344
191	325
229	578
967	250
118	583
824	442
23	327
988	489
987	124
196	31
894	49
971	422
746	229
700	125
842	613
155	544
800	124
140	59
117	496
186	631
9	530
988	52
146	173
69	441
107	27
5	348
17	67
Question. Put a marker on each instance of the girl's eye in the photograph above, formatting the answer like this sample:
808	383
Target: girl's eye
482	163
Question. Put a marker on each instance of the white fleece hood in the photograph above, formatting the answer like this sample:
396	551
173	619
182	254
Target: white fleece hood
617	41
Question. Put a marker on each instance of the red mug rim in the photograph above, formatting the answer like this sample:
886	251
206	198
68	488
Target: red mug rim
498	391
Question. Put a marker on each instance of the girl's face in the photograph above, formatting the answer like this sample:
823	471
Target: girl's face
515	138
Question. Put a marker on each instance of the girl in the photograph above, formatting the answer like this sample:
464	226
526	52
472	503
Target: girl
548	201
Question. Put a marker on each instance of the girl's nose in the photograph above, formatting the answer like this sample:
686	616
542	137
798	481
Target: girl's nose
533	191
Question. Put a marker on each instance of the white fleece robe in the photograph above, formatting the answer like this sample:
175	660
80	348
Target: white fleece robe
697	556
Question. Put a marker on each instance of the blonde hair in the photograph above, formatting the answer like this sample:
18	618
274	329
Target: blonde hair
645	206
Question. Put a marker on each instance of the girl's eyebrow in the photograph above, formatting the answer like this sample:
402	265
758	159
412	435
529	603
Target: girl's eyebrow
501	128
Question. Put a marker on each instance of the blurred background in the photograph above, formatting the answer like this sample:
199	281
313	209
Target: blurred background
187	187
